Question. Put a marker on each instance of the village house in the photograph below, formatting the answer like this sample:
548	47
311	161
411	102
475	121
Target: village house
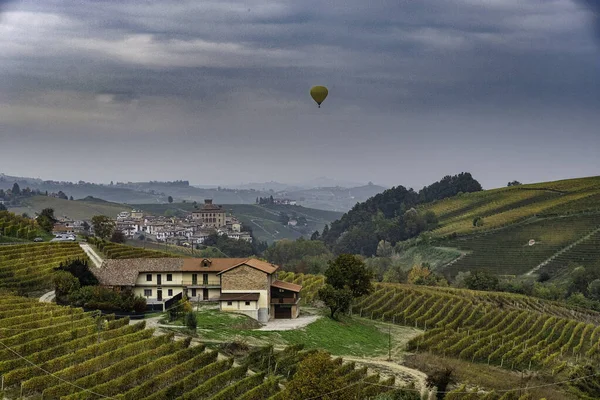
211	215
242	285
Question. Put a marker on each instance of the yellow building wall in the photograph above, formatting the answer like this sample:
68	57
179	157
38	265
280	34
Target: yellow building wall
176	281
263	300
139	291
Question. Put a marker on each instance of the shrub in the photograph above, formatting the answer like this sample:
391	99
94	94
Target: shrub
190	321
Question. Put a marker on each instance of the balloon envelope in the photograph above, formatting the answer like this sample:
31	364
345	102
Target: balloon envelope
319	94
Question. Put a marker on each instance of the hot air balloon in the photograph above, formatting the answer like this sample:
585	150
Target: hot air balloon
319	94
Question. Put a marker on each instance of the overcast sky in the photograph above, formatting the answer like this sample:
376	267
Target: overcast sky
216	91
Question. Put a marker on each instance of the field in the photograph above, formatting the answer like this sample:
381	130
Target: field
263	219
54	352
510	331
15	228
506	251
77	209
29	267
505	206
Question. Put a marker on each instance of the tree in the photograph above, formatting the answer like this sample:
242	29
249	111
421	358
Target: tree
118	236
384	249
62	195
71	198
514	183
594	289
46	219
170	199
481	280
338	300
348	271
16	190
316	378
64	284
2	207
103	226
315	235
190	320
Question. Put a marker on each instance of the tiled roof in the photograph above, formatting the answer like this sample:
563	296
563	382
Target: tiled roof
257	264
287	286
239	296
215	264
125	272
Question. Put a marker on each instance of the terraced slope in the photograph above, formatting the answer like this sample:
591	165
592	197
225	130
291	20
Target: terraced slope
118	251
29	267
505	206
585	252
510	331
506	251
54	352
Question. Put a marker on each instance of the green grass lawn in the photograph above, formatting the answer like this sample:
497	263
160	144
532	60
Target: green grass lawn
349	336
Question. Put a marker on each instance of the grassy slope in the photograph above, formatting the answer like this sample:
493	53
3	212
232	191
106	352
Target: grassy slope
505	206
77	209
350	336
262	219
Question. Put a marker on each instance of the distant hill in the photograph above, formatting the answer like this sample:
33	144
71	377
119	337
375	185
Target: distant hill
264	219
390	216
78	209
328	198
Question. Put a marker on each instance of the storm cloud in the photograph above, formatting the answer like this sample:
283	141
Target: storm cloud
217	92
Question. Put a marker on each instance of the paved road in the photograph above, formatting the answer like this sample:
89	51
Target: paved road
48	297
96	259
289	324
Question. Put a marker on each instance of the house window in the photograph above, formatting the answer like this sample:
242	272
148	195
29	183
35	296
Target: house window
170	291
149	277
230	303
247	303
148	292
205	279
193	292
169	277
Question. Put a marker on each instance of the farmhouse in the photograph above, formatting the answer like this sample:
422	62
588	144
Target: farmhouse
242	285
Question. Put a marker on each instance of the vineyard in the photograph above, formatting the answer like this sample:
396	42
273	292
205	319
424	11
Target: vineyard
116	251
505	206
15	226
310	284
58	352
30	267
510	331
506	251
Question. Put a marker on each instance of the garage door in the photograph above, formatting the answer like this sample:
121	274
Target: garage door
283	312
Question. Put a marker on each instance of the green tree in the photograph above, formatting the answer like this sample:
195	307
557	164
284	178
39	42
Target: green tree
594	289
481	280
348	271
103	226
2	207
316	378
118	236
46	219
315	235
16	190
384	249
478	221
337	300
170	199
190	320
64	284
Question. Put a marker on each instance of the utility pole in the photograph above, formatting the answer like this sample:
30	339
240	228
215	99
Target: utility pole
389	343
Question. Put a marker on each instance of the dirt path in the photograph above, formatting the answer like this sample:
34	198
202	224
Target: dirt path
289	324
94	257
48	297
402	373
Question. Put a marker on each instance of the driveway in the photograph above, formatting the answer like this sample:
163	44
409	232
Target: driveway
289	324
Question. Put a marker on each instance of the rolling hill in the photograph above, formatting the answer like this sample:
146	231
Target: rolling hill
76	209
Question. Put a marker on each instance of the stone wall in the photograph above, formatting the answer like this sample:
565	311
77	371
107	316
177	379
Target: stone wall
244	278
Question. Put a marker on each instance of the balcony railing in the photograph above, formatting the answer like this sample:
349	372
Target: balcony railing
207	284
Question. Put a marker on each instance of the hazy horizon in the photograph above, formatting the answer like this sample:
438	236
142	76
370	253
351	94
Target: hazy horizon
217	92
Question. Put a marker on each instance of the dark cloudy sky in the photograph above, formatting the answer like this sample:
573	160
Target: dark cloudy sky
217	91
